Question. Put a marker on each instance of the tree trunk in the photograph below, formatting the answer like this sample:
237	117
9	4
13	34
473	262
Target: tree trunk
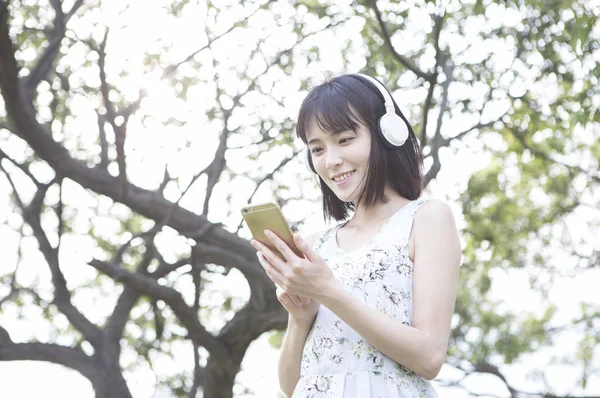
219	380
110	384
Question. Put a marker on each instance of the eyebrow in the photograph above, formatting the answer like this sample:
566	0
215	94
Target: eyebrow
314	140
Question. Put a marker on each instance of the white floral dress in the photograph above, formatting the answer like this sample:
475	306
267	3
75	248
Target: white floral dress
337	361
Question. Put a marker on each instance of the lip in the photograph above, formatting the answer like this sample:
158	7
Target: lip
344	180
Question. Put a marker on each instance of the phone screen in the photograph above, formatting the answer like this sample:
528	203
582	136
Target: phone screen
269	216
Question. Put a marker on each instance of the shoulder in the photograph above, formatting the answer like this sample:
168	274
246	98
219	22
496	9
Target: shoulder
433	219
434	222
434	210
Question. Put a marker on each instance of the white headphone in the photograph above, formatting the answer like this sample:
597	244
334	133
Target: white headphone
392	128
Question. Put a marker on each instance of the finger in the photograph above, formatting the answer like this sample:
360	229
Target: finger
301	299
271	271
283	299
287	302
283	248
295	299
274	260
288	299
305	248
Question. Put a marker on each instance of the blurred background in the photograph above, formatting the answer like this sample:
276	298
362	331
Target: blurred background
131	133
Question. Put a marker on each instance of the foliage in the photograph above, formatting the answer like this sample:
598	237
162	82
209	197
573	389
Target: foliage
129	145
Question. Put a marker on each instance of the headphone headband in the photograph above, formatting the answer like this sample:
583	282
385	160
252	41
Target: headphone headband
393	129
387	98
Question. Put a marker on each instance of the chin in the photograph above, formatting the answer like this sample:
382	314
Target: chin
346	198
345	193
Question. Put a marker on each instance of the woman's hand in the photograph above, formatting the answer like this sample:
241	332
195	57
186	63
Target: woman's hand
307	277
302	309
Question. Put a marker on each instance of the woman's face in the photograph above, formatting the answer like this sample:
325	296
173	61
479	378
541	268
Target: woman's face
341	160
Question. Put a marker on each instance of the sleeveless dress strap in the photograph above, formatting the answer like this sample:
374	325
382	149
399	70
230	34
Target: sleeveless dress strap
398	229
321	238
415	206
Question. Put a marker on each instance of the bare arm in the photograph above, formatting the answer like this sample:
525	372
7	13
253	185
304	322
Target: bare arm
290	357
421	347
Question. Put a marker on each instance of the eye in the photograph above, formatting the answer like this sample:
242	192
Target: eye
315	150
346	140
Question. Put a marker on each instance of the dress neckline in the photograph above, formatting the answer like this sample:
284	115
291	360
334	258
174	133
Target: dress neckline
375	235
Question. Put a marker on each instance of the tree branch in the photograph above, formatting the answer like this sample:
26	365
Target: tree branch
258	316
388	41
438	140
55	36
5	337
216	167
119	130
62	296
230	259
425	114
169	71
165	268
187	315
120	315
103	165
479	125
484	367
46	60
541	154
15	288
198	287
145	202
74	9
268	177
437	28
459	136
66	356
112	113
21	167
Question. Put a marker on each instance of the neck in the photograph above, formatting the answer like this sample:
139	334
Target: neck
379	211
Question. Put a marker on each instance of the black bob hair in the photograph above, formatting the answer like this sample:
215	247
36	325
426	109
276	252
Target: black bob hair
339	105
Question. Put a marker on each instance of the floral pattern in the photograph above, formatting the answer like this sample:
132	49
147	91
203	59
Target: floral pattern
337	361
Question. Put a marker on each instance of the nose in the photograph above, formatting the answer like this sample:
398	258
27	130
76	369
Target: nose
333	159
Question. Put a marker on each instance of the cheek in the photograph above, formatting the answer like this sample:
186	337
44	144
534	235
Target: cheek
360	155
321	170
319	162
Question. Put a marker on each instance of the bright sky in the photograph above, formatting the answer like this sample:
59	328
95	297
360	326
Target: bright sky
189	148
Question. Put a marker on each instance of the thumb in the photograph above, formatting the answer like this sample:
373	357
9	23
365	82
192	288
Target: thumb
305	248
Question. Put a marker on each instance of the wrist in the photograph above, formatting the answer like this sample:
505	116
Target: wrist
299	324
331	291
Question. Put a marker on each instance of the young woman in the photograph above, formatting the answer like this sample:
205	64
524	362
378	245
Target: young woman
370	303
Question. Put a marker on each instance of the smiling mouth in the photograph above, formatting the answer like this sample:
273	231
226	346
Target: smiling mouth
343	177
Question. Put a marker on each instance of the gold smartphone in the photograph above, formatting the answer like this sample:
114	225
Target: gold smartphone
269	216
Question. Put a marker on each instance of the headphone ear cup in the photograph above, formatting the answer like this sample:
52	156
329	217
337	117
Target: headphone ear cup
393	129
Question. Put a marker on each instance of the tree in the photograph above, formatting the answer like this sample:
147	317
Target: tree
531	109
